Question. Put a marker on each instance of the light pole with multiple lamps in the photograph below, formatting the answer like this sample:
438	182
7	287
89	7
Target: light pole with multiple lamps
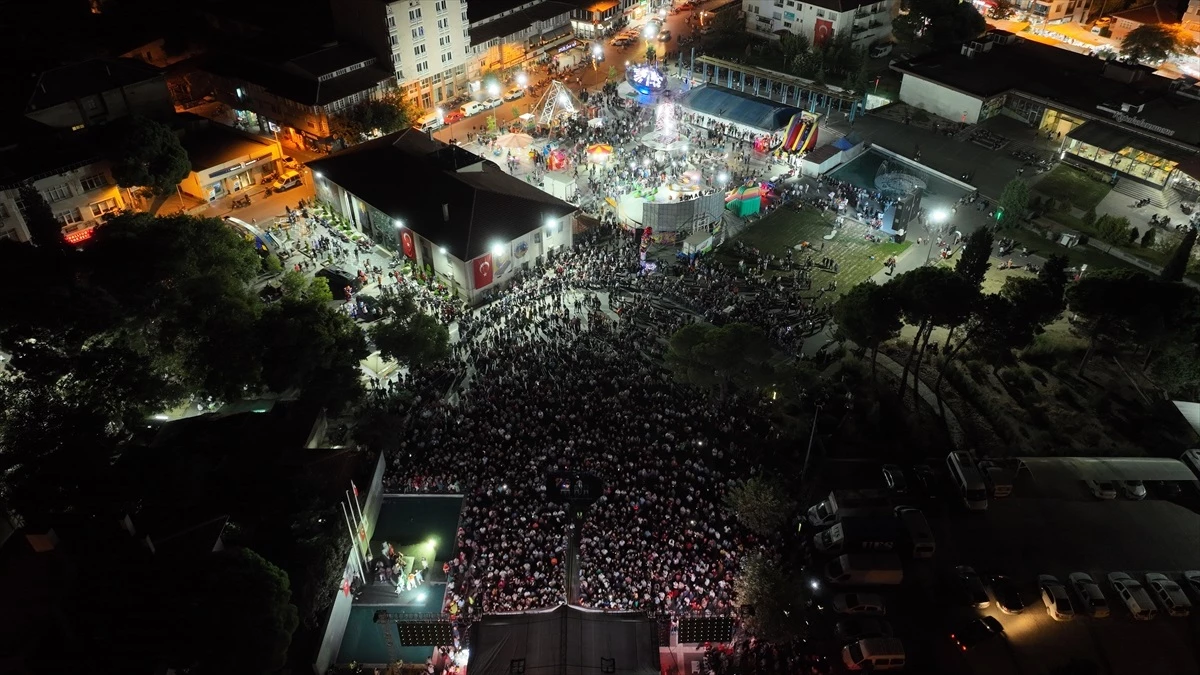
937	219
493	91
819	400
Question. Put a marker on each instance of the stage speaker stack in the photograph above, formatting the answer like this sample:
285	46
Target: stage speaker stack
664	631
425	633
714	629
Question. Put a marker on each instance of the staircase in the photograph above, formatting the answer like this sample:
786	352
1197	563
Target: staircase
1138	191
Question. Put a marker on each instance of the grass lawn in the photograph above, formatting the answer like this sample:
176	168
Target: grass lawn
1078	255
781	231
1068	184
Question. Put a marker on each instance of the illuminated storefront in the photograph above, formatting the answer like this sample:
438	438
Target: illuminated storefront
1109	147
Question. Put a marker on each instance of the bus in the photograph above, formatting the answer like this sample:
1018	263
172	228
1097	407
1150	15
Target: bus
967	478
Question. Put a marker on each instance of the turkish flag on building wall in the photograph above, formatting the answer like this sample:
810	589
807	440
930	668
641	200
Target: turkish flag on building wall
406	242
483	270
822	32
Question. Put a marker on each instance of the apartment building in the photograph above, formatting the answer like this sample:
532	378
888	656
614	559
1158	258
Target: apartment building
513	37
867	21
426	43
90	93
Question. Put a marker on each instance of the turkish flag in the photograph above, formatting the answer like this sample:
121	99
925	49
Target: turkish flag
483	270
406	241
822	32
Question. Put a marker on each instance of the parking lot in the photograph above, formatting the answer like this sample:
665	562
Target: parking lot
1053	524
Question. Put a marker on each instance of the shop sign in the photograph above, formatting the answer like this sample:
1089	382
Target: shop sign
1132	121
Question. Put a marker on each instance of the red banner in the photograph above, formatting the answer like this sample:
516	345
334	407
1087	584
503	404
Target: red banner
406	242
483	270
822	32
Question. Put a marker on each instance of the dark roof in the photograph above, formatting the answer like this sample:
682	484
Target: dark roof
67	83
518	21
409	176
739	107
294	86
209	144
1067	78
329	60
479	11
566	641
1149	14
842	5
1114	139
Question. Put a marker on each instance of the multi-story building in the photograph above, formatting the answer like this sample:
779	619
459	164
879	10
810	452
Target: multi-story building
296	98
594	17
67	169
867	21
90	93
516	36
425	41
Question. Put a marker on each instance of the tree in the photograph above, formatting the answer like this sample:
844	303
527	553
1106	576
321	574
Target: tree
1133	236
408	335
145	153
778	598
1089	216
372	118
973	263
1148	237
939	23
792	45
612	76
734	356
1106	300
1176	267
1034	300
869	314
240	611
311	347
1152	43
44	229
929	297
761	504
1014	202
1054	274
862	73
1113	229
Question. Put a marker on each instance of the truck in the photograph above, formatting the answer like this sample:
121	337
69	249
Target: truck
844	503
860	535
865	570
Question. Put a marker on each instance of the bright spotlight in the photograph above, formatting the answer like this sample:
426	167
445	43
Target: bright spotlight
497	249
722	177
432	543
421	597
494	89
162	417
814	584
442	250
939	216
398	223
522	80
318	174
461	658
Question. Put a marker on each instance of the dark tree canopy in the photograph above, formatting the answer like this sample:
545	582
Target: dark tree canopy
1014	202
939	23
734	356
145	153
869	314
1151	43
973	263
408	335
1177	266
44	229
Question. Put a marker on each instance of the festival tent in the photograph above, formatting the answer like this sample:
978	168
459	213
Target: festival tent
744	200
564	641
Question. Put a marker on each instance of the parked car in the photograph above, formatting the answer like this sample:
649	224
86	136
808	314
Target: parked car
514	94
977	631
664	36
1191	581
1165	489
1169	593
619	41
1101	489
1008	596
893	476
1133	489
291	163
1054	596
971	588
1091	598
286	181
491	103
1134	595
454	116
859	627
472	108
859	603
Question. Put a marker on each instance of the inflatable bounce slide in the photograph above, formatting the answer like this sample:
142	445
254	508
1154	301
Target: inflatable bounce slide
802	132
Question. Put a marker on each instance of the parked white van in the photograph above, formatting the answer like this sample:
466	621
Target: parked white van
874	654
965	475
472	108
430	122
918	530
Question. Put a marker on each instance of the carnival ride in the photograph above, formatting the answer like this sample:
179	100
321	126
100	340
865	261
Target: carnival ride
557	104
801	134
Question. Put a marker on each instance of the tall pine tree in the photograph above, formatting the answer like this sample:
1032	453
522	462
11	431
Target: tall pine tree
1176	267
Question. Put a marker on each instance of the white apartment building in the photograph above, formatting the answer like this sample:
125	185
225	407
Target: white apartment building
425	41
72	178
867	21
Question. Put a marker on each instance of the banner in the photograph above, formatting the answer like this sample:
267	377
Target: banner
822	32
406	242
483	270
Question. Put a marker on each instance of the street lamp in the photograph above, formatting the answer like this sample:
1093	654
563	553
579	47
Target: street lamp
522	80
937	218
399	225
494	92
820	400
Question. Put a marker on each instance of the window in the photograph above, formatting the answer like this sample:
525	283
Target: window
418	32
444	40
437	77
440	6
391	22
820	14
396	57
787	24
68	217
447	57
93	182
419	50
395	40
101	208
3	212
414	14
443	24
58	193
423	67
425	102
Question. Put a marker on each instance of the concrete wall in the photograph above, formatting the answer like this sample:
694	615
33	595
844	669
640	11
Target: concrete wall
941	101
339	615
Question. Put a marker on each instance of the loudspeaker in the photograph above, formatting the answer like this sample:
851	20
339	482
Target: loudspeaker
714	629
664	631
425	633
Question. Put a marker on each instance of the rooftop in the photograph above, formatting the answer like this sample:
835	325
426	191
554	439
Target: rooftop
1149	14
518	21
739	107
31	150
842	5
478	11
450	196
1085	83
294	86
67	83
209	144
329	60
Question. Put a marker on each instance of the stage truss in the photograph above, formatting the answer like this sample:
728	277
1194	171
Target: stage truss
556	103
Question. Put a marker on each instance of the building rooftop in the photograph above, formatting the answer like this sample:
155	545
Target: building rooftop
842	5
479	11
1085	83
294	86
328	60
518	21
739	107
450	196
1149	14
67	83
210	144
30	150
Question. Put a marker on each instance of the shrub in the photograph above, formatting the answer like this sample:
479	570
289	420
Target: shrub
1089	216
1148	237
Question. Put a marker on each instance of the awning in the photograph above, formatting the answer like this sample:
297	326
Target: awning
1114	139
556	33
